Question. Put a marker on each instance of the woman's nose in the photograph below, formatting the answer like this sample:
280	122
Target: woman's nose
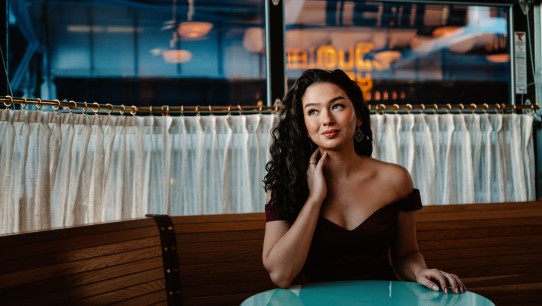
327	118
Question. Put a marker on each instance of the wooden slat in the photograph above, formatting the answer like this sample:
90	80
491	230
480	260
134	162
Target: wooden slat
73	255
59	283
74	232
123	294
186	238
38	243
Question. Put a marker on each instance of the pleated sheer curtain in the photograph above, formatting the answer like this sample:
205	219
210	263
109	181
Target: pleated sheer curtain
63	169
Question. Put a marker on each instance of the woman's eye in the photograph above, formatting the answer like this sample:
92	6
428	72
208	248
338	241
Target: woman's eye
312	112
337	106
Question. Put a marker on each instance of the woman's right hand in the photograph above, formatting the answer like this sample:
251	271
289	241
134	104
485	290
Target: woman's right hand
315	176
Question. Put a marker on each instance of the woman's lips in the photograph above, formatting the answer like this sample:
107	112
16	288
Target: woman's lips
330	133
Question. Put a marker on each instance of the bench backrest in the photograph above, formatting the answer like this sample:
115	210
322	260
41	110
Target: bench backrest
118	262
220	258
495	248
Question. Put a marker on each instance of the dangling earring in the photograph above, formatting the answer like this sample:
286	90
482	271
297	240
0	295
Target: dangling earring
358	135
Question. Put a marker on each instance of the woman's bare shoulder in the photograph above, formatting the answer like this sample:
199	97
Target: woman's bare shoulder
394	177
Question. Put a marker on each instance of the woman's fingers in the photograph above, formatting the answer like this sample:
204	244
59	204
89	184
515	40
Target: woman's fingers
436	279
428	283
314	158
321	160
455	283
315	176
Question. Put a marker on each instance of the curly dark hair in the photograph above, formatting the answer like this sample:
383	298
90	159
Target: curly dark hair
291	147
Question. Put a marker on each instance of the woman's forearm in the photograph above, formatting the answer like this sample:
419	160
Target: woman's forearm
409	265
286	258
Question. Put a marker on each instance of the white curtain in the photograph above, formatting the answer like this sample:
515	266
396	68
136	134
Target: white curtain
62	169
461	158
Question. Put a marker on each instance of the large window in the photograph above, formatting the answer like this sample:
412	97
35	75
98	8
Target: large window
147	52
402	52
175	52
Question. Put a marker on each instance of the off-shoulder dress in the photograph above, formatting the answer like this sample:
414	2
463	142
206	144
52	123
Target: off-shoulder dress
361	253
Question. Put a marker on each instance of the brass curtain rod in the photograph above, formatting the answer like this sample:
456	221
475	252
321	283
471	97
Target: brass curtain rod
165	110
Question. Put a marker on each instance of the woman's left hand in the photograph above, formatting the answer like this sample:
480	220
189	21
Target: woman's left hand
435	279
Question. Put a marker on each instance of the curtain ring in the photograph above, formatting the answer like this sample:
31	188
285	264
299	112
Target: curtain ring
381	106
395	108
422	108
74	106
96	108
133	110
473	107
165	110
10	101
110	109
39	104
485	107
57	106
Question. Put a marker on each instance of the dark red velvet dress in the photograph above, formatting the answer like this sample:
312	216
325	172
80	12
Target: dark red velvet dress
362	253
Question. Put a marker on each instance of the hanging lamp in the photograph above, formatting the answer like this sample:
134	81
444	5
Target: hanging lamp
193	30
174	55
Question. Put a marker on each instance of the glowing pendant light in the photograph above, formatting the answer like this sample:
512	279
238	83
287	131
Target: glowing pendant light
193	30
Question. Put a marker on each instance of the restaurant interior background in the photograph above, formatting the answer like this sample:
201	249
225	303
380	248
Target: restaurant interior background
210	52
217	52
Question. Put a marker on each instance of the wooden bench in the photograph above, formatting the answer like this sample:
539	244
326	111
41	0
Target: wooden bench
220	258
101	264
495	248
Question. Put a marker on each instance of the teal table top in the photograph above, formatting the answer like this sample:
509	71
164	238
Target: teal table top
364	293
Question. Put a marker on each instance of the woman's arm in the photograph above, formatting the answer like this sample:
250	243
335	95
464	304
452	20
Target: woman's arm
410	264
285	247
407	259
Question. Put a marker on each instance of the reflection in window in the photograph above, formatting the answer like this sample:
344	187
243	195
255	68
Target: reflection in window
174	52
405	52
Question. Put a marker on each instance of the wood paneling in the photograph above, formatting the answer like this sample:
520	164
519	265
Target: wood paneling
220	258
495	248
119	262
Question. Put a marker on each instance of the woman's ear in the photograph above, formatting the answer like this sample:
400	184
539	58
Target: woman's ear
358	123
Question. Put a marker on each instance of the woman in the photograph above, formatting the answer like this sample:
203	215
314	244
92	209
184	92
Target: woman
333	212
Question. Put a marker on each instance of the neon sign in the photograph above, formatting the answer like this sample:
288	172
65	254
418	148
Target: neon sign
354	61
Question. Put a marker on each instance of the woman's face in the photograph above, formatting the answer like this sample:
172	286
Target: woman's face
329	116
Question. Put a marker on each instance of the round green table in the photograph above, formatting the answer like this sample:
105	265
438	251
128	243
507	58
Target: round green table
364	293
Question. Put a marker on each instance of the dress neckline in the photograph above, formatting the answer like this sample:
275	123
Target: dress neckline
392	204
362	222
